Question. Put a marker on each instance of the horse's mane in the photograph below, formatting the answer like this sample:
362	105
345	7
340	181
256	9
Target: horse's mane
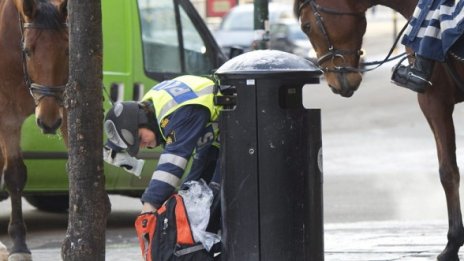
48	16
296	8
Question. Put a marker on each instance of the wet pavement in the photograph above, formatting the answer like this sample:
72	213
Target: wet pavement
386	240
360	241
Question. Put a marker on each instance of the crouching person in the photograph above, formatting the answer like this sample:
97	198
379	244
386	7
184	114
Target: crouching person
180	115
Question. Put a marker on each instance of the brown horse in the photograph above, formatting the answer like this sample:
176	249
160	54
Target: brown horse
33	73
335	29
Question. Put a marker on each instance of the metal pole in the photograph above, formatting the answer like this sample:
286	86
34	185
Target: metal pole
395	23
261	24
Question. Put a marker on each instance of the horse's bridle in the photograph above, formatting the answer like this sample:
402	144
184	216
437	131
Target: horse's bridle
39	91
332	53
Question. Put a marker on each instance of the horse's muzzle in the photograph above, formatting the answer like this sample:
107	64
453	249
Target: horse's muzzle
46	129
345	92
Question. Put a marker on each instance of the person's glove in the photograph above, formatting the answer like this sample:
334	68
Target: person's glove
124	160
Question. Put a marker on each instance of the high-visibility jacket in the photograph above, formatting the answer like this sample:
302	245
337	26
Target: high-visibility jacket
168	96
185	113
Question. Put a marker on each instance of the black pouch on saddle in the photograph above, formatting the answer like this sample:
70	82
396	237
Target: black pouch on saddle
166	234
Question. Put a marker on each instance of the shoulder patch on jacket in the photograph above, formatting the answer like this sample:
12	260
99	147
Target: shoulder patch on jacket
171	137
164	123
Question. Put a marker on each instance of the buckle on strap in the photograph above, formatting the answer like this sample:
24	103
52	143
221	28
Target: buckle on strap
189	250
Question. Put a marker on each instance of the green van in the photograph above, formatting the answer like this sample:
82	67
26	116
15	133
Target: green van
145	42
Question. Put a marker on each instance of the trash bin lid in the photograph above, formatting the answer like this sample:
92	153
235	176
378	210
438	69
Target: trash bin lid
264	62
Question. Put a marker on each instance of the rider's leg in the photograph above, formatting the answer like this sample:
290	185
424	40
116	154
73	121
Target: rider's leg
415	76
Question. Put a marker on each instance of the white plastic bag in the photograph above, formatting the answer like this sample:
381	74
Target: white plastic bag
197	200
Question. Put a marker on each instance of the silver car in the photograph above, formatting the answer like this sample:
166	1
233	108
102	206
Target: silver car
237	27
286	35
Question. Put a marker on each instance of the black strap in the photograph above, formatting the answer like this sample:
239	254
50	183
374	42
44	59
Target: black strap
392	49
188	250
455	76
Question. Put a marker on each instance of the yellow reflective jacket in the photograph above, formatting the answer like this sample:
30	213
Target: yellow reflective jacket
168	96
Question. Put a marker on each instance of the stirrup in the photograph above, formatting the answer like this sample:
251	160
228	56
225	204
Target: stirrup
404	76
395	68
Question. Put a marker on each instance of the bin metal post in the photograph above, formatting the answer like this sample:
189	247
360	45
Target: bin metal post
271	160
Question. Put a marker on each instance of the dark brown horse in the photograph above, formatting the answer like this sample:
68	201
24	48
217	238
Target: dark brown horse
33	73
335	29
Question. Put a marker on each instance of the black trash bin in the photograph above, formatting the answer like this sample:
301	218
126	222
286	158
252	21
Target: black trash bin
271	160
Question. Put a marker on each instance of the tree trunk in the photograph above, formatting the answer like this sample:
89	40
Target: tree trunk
88	204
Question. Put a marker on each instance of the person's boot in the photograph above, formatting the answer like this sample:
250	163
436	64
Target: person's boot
415	76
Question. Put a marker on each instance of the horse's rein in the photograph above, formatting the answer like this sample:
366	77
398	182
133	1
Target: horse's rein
387	58
333	52
37	91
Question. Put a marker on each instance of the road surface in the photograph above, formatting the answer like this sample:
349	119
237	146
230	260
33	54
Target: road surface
380	174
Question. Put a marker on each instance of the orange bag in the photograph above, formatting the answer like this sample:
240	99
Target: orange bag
166	235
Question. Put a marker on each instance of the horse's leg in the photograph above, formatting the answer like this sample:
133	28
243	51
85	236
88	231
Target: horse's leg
15	174
3	250
438	111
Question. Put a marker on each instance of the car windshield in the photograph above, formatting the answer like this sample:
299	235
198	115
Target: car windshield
242	20
237	21
296	33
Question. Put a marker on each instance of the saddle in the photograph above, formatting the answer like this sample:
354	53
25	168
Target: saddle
457	51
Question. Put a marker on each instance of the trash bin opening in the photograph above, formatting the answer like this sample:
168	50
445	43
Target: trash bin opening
290	97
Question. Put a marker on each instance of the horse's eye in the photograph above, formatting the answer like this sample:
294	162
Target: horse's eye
306	28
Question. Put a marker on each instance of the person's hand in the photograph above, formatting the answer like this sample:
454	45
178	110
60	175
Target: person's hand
123	160
147	207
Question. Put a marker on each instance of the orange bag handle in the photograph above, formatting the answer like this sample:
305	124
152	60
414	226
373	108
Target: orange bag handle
184	233
145	226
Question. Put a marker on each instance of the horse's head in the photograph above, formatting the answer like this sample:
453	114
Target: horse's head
335	29
45	57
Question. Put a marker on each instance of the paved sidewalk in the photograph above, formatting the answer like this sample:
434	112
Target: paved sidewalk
363	241
113	253
386	240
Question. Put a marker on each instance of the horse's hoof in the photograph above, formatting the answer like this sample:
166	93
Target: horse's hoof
447	257
20	257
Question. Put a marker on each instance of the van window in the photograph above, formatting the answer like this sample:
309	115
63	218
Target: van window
166	49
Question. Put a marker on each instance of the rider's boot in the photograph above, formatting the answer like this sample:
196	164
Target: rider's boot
415	76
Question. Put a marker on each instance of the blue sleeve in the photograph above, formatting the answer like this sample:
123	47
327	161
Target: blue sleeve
185	127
